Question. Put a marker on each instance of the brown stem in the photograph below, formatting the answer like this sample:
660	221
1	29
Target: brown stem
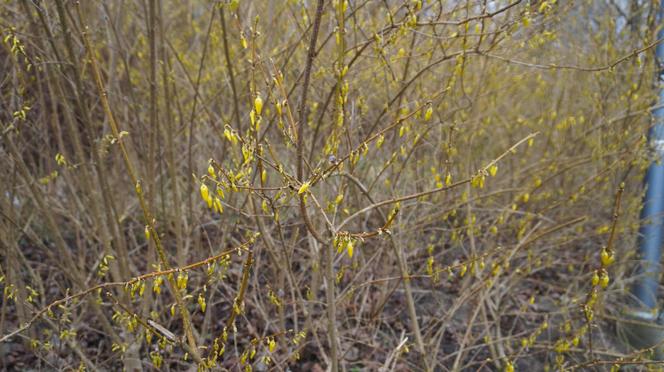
329	254
186	319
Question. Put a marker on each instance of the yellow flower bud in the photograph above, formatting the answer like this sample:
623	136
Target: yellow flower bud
493	169
379	141
182	281
201	302
243	41
258	104
230	136
156	285
428	113
272	345
463	270
205	192
60	159
606	257
217	206
477	181
604	280
303	188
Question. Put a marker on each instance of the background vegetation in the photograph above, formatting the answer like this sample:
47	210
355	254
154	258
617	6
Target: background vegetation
346	184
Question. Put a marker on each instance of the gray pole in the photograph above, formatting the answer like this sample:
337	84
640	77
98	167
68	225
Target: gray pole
644	324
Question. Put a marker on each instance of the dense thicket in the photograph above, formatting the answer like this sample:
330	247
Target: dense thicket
347	184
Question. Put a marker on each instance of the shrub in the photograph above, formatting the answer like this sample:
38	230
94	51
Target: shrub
412	185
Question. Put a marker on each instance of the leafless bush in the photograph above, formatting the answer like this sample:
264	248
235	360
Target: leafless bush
379	185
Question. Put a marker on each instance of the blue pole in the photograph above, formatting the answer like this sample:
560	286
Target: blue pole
651	233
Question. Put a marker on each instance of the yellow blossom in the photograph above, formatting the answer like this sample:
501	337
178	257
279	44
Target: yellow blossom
428	113
303	188
258	104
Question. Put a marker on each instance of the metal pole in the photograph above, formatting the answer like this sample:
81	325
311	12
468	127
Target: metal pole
651	233
643	326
